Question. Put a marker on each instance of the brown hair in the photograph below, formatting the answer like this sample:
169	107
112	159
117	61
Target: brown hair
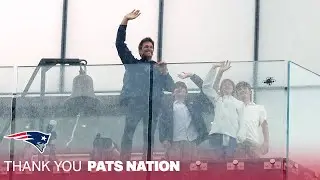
180	84
147	39
232	83
242	84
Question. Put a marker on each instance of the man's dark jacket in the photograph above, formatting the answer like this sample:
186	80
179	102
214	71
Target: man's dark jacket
197	107
139	74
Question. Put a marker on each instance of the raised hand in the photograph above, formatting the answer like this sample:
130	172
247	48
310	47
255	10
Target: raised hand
218	64
225	66
185	75
162	67
133	14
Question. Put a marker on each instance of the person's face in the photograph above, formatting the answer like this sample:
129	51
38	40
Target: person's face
180	93
226	88
51	127
244	94
146	50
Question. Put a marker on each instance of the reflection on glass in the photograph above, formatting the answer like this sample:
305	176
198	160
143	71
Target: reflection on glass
195	114
83	122
6	97
304	103
235	124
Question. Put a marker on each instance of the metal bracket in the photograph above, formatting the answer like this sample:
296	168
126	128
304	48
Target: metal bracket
198	166
235	165
272	164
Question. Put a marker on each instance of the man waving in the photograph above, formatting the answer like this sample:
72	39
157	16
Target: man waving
142	77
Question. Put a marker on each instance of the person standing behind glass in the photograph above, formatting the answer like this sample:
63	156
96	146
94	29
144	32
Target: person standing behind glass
52	141
255	119
181	126
227	121
136	86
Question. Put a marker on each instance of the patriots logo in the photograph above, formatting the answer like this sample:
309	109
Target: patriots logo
36	138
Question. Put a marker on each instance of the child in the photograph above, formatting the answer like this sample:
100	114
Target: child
181	126
227	121
255	117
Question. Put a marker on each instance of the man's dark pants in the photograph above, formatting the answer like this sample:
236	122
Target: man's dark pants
138	109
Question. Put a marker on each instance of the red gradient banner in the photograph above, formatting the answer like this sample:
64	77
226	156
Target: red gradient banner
259	169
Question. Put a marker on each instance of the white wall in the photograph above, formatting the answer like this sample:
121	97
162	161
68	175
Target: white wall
193	30
93	25
30	30
289	30
208	30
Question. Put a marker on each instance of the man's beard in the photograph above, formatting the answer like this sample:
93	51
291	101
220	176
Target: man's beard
146	57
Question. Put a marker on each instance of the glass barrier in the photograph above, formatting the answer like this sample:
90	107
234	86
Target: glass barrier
6	101
271	93
89	112
34	108
188	112
304	102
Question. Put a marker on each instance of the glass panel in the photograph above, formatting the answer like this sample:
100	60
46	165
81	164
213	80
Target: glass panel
114	77
107	113
52	79
271	92
35	109
7	88
82	115
30	31
7	83
304	144
209	111
92	29
210	31
271	74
